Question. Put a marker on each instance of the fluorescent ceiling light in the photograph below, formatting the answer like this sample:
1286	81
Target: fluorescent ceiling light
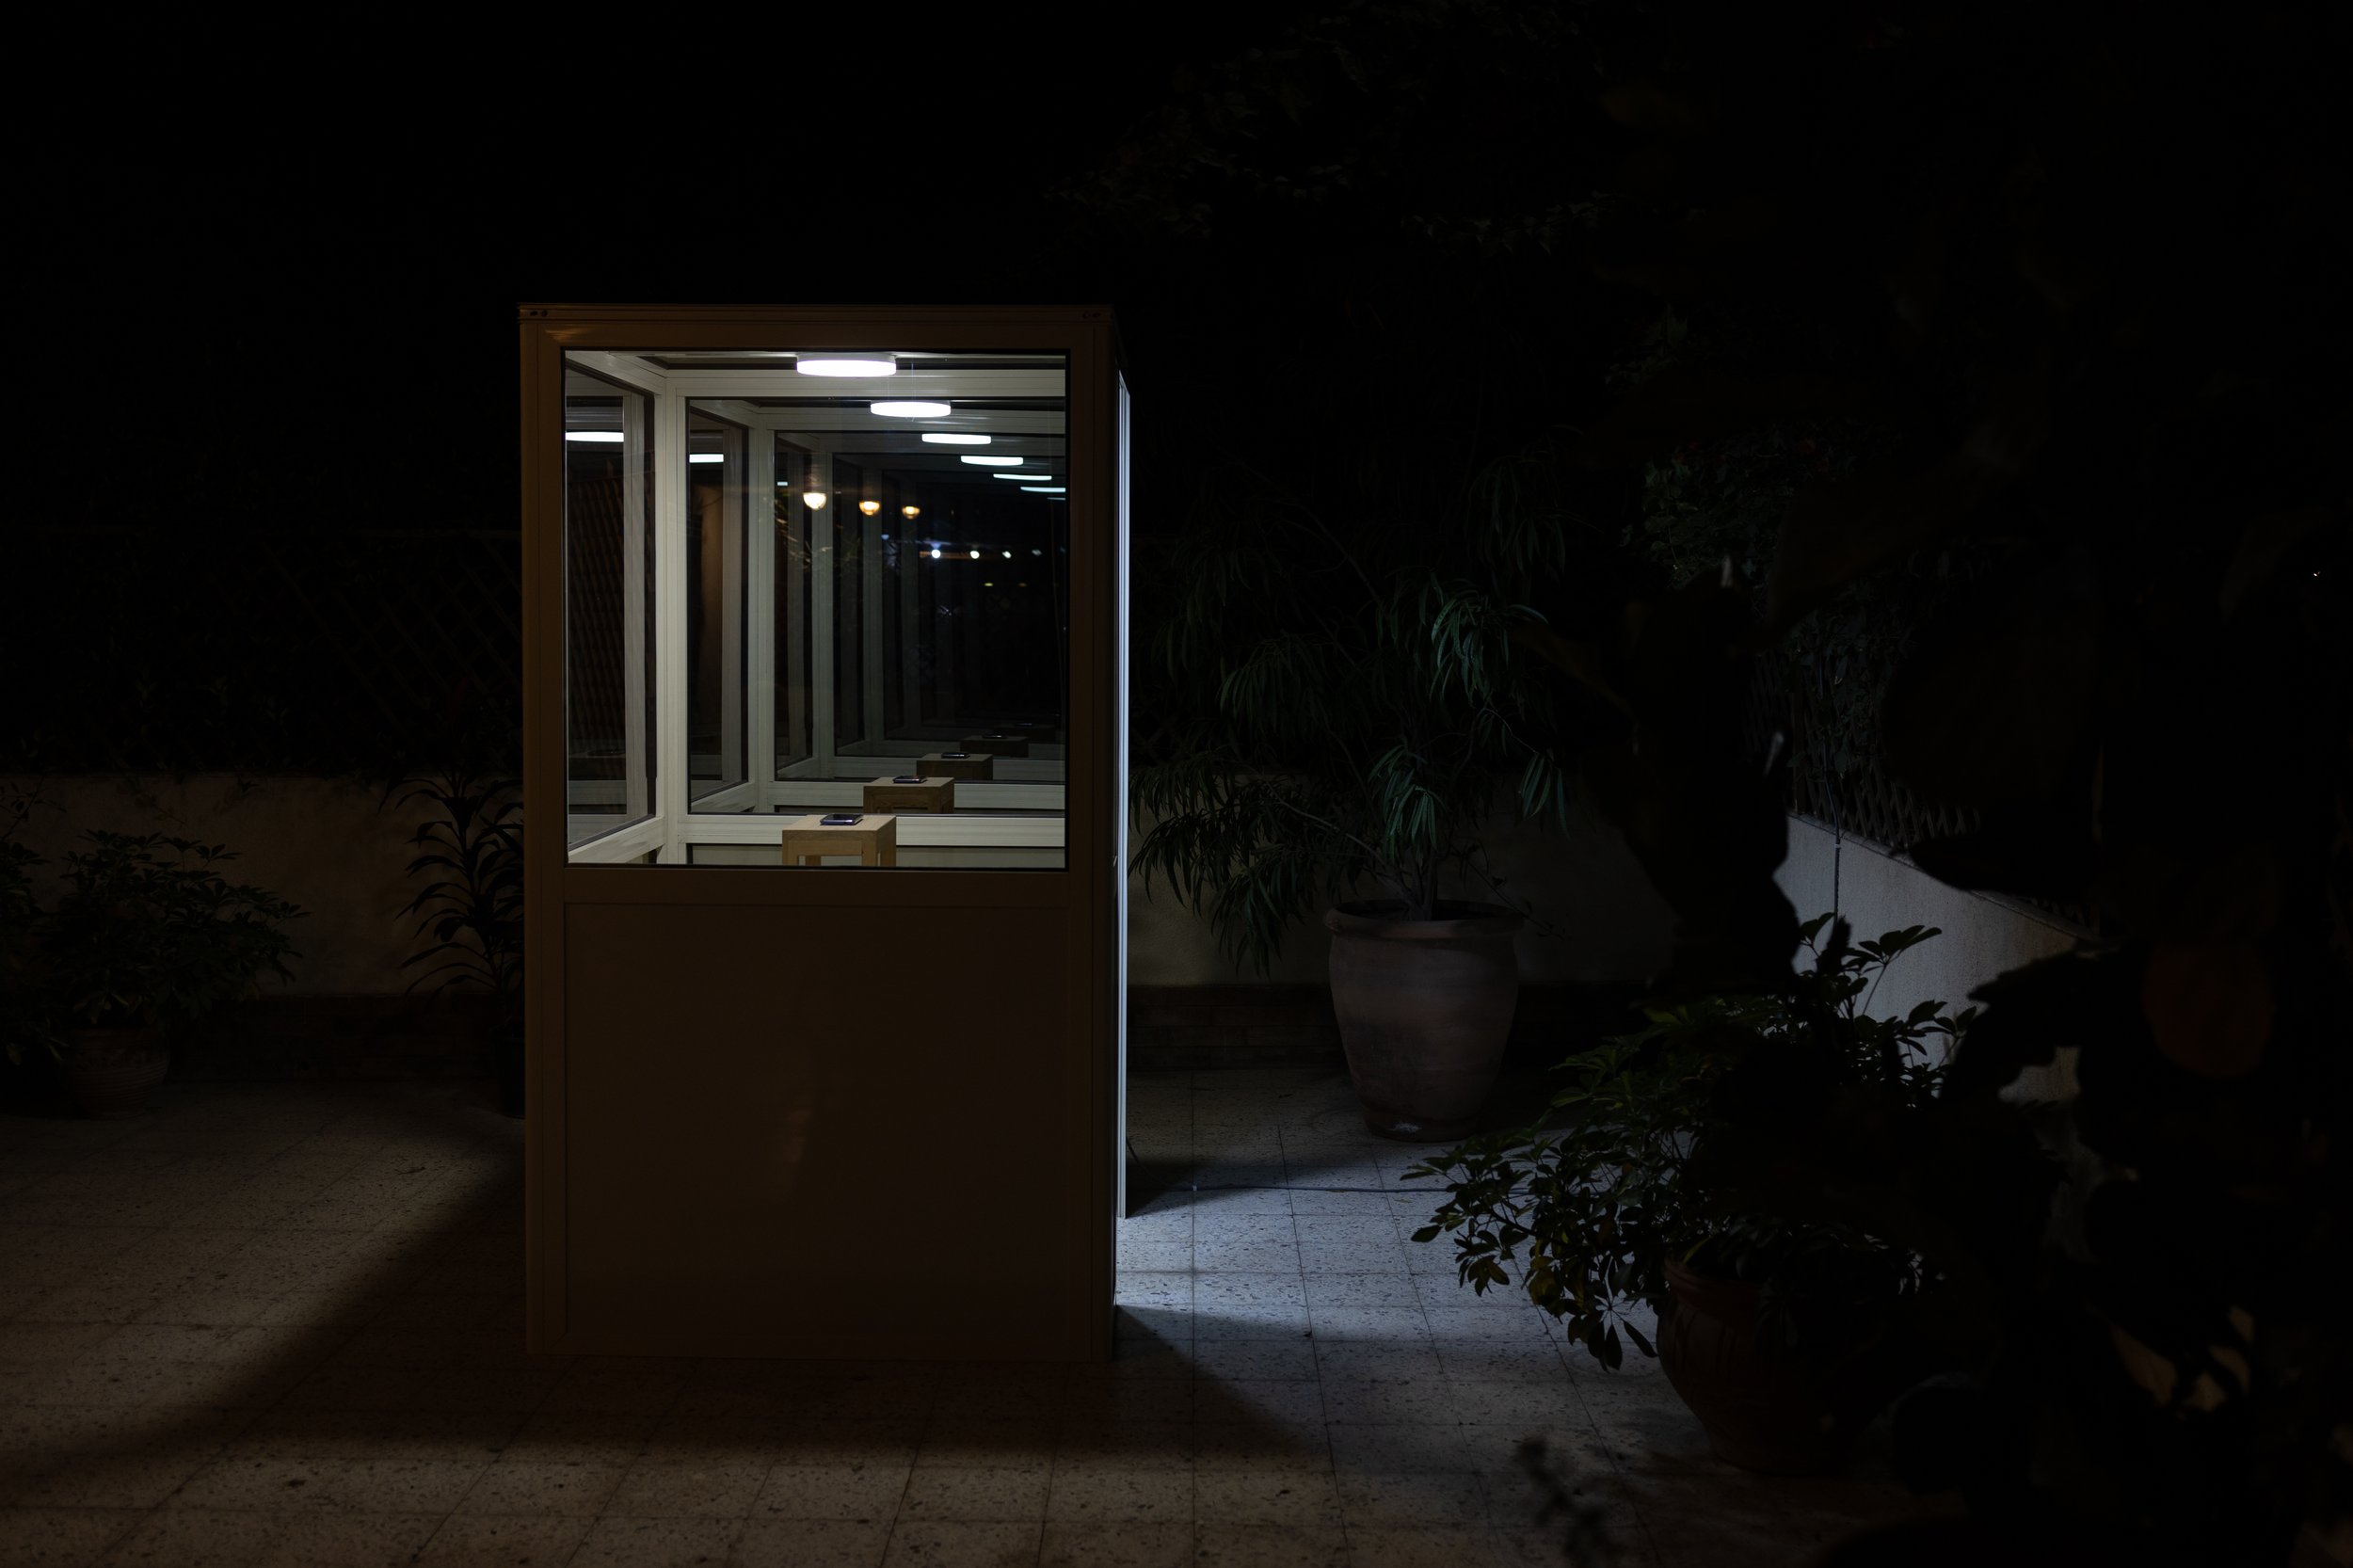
706	456
1012	474
954	438
847	365
593	436
1045	490
908	409
993	462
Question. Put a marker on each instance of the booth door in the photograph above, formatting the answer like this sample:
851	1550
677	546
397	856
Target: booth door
824	613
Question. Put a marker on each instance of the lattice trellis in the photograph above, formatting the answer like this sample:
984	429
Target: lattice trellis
1863	803
332	650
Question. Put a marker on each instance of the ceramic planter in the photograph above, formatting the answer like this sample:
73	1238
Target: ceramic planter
1424	1009
113	1072
1768	1405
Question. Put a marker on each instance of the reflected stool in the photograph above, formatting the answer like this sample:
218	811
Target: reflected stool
937	793
972	764
874	840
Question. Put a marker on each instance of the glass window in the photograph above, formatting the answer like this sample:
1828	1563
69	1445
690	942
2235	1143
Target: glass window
871	611
608	589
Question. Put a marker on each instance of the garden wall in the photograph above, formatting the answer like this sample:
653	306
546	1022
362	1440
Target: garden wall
332	847
1878	890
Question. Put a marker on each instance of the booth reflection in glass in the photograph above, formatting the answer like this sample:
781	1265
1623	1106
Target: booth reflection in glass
802	586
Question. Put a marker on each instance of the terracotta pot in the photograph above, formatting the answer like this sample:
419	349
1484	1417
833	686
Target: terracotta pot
1424	1009
113	1072
1769	1405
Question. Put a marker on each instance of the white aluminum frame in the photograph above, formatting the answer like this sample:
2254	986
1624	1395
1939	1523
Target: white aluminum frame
743	813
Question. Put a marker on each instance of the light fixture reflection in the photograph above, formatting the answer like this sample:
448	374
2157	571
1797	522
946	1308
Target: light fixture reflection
907	409
992	462
615	435
910	512
1010	474
954	438
706	456
1046	489
813	500
870	507
847	365
935	553
976	556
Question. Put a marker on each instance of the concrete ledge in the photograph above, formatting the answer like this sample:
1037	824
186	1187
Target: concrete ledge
1288	1025
364	1037
350	1037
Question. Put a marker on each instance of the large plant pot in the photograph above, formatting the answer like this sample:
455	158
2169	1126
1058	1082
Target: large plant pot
113	1072
1424	1009
1768	1405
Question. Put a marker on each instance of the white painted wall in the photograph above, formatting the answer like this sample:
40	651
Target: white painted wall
1981	936
325	845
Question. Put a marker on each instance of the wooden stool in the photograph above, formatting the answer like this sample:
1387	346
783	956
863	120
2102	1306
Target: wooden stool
928	794
998	746
874	842
939	764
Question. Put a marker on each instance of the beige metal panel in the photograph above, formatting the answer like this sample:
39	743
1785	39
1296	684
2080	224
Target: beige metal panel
712	1087
542	373
815	1149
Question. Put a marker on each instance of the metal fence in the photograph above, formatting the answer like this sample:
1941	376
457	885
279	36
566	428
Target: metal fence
331	650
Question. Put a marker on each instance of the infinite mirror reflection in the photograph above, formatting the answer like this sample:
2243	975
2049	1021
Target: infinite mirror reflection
870	617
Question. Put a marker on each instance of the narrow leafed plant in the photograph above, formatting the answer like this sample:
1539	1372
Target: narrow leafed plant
472	908
1343	712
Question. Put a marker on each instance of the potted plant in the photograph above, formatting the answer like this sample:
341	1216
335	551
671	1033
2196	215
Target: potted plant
147	937
472	908
1776	1326
1341	720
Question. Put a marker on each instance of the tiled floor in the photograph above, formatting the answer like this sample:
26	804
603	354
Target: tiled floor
278	1325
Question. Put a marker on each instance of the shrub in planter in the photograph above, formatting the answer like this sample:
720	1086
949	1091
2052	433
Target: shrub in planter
147	936
1777	1327
473	906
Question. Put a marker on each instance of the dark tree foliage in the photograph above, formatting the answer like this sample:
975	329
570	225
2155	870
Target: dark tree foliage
2074	279
2081	275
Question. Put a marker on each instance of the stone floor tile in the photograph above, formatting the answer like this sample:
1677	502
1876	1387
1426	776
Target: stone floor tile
810	1544
1418	1546
1103	1495
1386	1326
548	1490
60	1537
1393	1290
1125	1446
989	1496
502	1541
418	1486
960	1543
1217	1360
1128	1544
1213	1292
617	1542
1398	1448
1268	1450
1391	1500
855	1492
720	1489
1254	1545
1303	1499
